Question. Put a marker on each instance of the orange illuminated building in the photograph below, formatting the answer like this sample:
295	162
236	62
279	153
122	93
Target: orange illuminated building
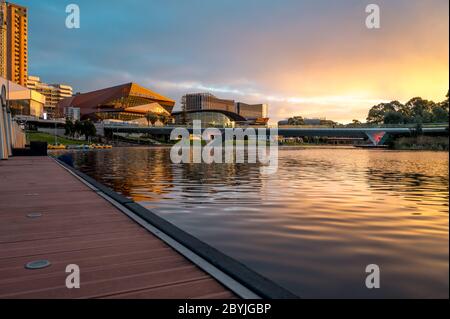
14	43
126	102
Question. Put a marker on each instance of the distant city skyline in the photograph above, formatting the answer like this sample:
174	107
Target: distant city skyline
309	58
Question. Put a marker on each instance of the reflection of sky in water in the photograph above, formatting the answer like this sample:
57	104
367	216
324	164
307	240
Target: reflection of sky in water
313	226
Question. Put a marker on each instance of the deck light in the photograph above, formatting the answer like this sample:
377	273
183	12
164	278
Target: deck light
38	264
34	215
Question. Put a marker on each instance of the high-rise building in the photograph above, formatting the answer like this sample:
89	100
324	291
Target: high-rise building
53	93
72	113
3	42
14	42
206	101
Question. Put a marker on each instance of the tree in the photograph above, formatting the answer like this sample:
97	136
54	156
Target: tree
421	110
296	120
444	104
440	114
69	128
163	119
151	118
78	128
356	122
416	110
377	112
328	123
393	117
407	113
89	129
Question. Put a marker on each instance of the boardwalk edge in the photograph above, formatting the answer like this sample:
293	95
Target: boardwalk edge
261	286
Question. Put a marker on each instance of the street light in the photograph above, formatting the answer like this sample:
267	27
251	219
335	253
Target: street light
56	137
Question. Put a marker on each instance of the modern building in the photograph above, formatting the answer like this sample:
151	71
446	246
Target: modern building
23	101
14	42
72	113
206	101
12	135
209	118
195	102
53	93
3	42
252	111
126	102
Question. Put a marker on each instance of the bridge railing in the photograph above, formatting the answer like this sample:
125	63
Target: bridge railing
351	126
412	125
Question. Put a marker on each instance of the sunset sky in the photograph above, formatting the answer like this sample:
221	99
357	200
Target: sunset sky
302	57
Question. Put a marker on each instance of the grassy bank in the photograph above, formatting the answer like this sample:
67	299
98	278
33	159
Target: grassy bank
432	143
50	139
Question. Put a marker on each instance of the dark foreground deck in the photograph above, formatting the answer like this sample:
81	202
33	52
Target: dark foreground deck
117	257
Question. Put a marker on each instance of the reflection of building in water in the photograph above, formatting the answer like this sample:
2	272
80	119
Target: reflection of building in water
204	177
142	174
428	175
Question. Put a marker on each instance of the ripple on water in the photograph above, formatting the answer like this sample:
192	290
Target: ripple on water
313	226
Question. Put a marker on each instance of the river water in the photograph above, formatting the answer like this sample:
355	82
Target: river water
312	227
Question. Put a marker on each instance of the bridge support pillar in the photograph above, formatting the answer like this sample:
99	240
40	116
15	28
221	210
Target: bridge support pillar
377	137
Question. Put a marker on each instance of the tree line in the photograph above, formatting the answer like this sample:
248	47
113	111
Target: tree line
299	120
80	128
415	111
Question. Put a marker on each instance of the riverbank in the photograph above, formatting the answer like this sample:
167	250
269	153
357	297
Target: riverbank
50	139
422	143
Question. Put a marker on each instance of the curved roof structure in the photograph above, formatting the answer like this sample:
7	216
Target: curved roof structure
118	98
148	108
233	116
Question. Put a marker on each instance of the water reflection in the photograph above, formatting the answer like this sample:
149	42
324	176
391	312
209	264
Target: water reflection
313	226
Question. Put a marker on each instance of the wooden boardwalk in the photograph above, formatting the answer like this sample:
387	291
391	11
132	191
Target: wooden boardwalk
117	257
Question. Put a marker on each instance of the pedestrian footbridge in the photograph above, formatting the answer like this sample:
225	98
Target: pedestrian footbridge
376	135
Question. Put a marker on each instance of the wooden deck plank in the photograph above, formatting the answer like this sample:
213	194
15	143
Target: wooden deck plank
117	257
197	288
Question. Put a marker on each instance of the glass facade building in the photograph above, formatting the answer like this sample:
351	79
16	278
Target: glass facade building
206	101
209	118
127	102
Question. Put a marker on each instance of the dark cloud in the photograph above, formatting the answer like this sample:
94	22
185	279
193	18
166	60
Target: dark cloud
257	50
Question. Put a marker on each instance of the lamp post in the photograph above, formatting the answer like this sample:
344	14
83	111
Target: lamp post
56	137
